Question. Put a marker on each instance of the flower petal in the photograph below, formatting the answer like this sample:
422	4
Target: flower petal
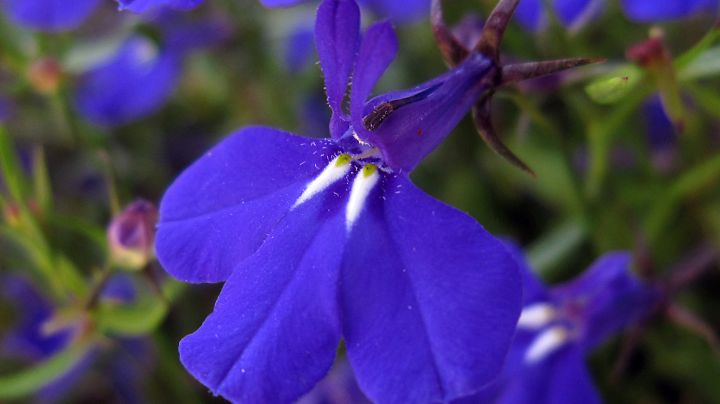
132	84
429	299
337	35
422	117
612	297
48	15
221	209
534	290
561	378
275	328
378	49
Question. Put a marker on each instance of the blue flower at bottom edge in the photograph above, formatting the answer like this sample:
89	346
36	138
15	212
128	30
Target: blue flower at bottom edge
559	326
323	239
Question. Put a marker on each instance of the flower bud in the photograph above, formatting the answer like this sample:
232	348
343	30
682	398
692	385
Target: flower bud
131	235
44	75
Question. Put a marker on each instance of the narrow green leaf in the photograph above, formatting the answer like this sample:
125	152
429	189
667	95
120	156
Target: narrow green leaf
10	167
41	180
29	381
695	180
546	253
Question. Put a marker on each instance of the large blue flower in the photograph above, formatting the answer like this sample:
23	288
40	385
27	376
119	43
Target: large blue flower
558	327
48	15
319	239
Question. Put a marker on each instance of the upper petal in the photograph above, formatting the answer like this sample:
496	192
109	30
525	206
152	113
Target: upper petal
275	329
48	15
219	211
133	83
377	51
337	36
429	299
421	118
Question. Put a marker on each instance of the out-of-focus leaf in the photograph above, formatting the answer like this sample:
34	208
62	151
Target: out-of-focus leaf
696	51
613	87
694	180
705	65
10	166
30	380
138	318
41	181
547	252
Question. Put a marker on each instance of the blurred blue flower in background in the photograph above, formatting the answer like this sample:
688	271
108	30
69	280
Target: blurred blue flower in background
319	239
559	326
48	15
141	6
574	14
132	83
26	339
666	10
138	79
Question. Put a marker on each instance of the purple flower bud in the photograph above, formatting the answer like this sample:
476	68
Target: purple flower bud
131	235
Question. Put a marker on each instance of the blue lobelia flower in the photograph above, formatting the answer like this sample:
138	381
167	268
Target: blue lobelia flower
319	239
574	14
139	77
48	15
560	325
132	83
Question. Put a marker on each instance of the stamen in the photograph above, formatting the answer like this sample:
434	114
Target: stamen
336	169
546	343
364	183
536	316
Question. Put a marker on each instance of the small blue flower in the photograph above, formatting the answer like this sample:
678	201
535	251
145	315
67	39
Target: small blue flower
558	327
48	15
323	239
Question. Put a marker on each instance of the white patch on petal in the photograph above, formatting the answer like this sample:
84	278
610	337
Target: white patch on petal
364	182
335	170
536	316
546	343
